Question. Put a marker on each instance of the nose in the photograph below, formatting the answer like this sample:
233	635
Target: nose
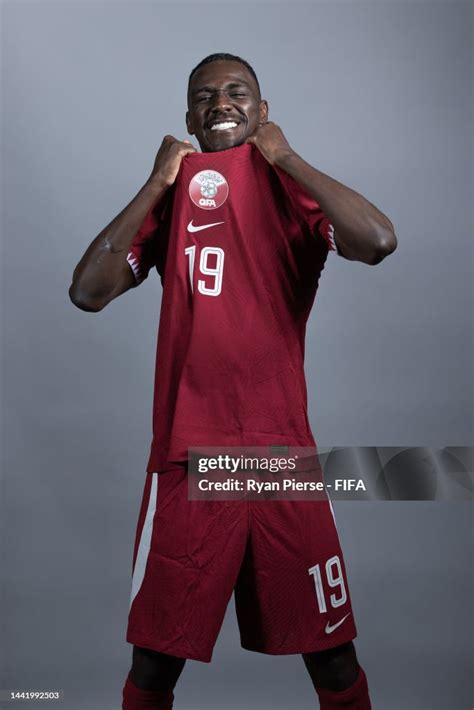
220	101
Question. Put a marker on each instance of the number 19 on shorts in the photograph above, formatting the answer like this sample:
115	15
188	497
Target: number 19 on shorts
333	574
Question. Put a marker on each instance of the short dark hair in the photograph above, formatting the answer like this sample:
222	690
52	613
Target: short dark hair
223	56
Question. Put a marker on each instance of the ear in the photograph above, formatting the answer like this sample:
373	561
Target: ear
189	124
263	111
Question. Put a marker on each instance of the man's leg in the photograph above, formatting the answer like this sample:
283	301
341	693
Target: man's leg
335	668
338	679
183	577
151	680
155	671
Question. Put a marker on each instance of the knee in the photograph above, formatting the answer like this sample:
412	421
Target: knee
152	670
335	668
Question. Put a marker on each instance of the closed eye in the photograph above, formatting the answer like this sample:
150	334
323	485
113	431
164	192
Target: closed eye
207	97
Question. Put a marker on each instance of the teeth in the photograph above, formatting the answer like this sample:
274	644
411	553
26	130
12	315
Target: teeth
223	126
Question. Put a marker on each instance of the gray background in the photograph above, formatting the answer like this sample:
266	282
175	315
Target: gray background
377	95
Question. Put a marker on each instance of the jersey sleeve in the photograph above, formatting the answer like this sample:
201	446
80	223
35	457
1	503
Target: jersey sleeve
142	253
310	212
148	248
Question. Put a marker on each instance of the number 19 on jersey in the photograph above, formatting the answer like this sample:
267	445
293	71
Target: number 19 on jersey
206	270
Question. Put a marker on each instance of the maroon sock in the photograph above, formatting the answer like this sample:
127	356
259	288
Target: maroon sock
356	697
138	699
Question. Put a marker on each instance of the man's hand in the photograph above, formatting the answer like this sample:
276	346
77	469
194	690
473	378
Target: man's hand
271	142
103	272
168	160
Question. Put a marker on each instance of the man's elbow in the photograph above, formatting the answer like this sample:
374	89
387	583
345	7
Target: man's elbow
82	301
385	244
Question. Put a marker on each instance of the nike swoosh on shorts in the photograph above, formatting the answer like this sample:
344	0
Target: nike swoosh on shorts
329	629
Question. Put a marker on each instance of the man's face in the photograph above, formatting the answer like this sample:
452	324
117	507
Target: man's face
224	105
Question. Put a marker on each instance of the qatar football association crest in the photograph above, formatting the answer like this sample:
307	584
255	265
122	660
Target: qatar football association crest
208	189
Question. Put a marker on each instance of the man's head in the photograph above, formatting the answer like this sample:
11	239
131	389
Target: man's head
224	102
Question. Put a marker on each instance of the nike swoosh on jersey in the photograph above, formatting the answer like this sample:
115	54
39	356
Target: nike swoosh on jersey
198	228
329	629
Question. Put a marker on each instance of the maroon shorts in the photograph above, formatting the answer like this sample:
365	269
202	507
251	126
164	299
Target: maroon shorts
282	558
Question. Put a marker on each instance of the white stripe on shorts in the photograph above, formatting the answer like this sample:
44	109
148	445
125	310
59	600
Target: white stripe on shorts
145	541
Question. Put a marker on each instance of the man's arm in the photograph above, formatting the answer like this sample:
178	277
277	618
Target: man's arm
361	231
103	273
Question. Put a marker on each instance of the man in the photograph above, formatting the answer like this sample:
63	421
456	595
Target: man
229	372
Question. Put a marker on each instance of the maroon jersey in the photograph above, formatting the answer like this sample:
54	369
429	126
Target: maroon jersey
240	248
